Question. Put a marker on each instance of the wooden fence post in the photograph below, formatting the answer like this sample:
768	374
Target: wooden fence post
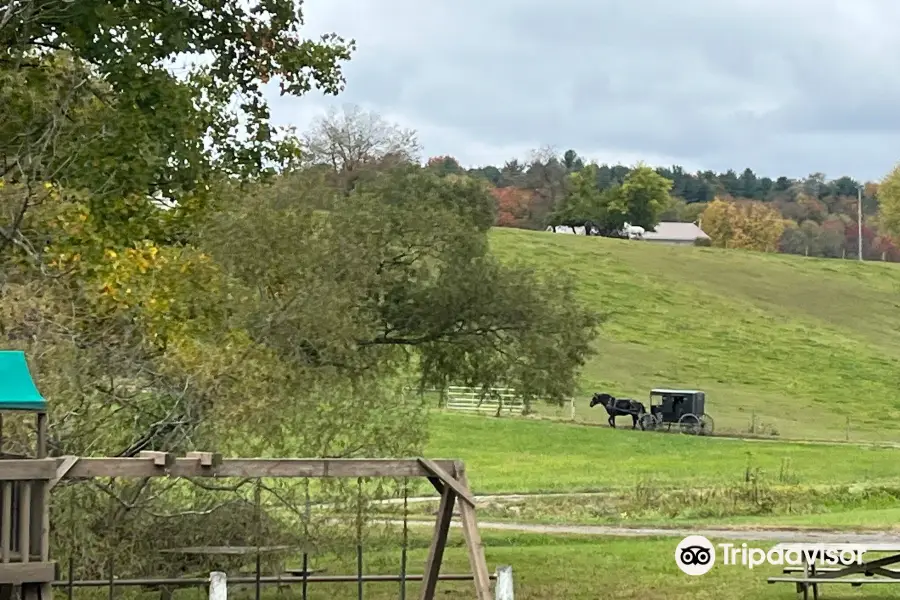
218	586
572	408
504	587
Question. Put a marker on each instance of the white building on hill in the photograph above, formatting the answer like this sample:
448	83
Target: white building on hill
669	232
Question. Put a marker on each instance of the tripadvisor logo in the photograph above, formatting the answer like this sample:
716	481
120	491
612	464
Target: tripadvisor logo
695	555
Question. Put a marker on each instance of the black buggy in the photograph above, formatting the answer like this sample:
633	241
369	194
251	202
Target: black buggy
684	408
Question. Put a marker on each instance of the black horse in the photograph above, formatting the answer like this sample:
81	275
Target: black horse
618	407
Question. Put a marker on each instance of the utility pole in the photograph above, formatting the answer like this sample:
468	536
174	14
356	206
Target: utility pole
859	218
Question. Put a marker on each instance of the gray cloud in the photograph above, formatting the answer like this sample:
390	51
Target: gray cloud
786	87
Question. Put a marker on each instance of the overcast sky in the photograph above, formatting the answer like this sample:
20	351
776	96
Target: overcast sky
786	87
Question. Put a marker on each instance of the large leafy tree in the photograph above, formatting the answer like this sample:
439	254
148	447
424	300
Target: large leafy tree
398	278
749	225
90	98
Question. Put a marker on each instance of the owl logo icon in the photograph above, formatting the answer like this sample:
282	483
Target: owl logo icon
695	555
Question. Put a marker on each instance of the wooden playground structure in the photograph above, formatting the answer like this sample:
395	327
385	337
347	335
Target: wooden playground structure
26	484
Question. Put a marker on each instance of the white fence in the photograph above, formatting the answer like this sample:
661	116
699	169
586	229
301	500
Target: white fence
469	400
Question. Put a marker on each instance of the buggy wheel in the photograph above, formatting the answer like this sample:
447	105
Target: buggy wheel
706	424
647	422
689	424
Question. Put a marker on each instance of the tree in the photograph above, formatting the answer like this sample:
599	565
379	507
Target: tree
572	161
444	165
585	202
80	100
513	206
644	195
411	287
546	177
352	141
889	202
719	222
682	212
748	225
131	326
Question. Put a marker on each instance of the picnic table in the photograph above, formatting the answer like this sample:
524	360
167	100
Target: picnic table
871	570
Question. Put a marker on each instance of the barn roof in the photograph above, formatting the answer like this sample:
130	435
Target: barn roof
669	230
17	390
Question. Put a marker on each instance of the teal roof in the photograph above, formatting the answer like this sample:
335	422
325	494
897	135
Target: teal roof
17	390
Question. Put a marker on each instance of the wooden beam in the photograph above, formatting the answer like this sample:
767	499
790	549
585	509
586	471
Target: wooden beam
64	467
477	560
41	449
24	516
207	459
24	469
33	572
438	543
87	468
160	459
6	517
447	479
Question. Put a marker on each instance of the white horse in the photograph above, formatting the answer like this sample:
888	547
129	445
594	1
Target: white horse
634	232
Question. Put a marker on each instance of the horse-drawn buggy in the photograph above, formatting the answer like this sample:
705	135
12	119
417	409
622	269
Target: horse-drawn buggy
684	408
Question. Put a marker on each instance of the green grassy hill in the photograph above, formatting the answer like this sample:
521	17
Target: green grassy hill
800	344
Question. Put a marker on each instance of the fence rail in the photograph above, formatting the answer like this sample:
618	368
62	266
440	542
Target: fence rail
498	400
503	400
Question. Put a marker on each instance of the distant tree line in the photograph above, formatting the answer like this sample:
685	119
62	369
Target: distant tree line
812	216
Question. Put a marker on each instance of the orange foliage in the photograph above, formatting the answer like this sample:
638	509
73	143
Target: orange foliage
513	205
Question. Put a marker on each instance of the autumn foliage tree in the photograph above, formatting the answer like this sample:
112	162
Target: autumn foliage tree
746	225
513	206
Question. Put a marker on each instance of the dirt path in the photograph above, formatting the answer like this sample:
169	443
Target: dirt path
773	535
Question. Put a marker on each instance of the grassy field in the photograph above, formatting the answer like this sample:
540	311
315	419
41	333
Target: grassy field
799	345
506	455
735	507
566	567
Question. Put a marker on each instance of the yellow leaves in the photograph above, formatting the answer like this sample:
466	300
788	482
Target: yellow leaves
748	225
110	254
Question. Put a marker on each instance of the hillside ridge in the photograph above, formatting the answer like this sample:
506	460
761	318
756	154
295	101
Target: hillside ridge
791	344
